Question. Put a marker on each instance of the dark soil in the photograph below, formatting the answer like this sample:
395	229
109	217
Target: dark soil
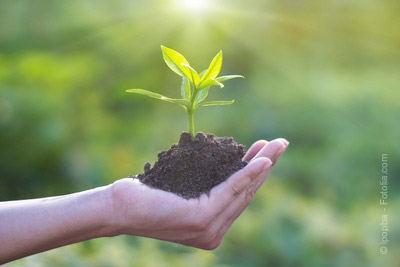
194	165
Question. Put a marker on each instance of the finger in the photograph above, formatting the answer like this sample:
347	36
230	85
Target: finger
240	203
249	177
273	149
223	194
237	206
243	200
254	149
232	211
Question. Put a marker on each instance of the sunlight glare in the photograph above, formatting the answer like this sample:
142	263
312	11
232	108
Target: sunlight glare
194	5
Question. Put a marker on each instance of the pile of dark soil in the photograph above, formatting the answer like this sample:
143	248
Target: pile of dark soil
194	165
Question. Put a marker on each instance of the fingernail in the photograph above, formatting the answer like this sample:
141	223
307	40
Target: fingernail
283	147
267	165
285	142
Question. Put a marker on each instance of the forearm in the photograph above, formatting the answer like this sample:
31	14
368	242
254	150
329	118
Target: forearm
32	226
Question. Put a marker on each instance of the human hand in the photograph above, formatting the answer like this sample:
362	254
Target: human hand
202	222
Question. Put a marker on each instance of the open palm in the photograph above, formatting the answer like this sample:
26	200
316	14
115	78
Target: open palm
201	222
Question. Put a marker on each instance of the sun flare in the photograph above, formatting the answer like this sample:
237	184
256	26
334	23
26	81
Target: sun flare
193	5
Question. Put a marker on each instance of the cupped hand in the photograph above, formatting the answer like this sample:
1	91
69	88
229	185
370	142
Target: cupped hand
201	222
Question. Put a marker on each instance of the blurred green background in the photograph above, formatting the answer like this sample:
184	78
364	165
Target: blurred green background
323	74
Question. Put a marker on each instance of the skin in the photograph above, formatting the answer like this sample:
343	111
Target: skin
129	207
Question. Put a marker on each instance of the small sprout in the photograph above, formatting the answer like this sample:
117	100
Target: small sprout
194	88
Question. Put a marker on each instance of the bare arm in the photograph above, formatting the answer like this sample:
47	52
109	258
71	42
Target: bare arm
129	207
31	226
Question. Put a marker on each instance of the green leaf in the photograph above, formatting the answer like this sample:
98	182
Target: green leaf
182	102
185	88
215	103
214	68
201	95
227	77
174	60
194	76
208	83
202	73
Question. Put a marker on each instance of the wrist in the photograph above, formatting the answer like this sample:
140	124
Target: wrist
118	208
109	226
127	216
100	202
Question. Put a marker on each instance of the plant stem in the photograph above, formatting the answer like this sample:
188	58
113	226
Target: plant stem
191	124
190	110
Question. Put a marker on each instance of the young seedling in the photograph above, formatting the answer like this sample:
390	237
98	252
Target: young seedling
194	88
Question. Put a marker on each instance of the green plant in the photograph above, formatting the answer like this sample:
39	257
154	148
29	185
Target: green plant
194	88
